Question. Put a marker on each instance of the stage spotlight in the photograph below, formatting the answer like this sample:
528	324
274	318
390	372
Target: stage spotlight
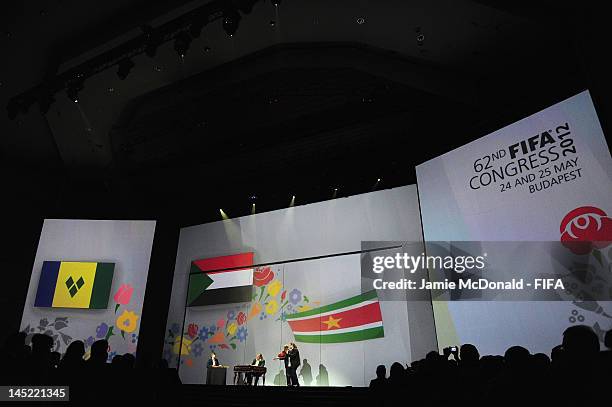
125	66
292	202
152	40
73	88
73	94
376	183
231	20
275	3
223	215
420	39
182	42
253	209
335	194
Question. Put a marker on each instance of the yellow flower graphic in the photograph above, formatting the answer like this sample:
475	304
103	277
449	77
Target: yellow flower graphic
231	329
185	349
127	321
304	308
274	288
272	307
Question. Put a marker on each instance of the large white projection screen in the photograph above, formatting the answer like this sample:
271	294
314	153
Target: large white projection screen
283	286
88	282
518	184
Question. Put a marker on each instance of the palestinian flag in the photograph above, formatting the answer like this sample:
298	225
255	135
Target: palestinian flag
354	319
221	280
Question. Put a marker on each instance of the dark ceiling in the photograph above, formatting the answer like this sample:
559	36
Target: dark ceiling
306	97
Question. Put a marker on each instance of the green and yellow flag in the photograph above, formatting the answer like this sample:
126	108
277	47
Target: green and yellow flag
74	284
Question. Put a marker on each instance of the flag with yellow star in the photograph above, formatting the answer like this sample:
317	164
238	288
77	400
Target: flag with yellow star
353	319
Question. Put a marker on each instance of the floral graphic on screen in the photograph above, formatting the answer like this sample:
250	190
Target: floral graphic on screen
125	322
270	300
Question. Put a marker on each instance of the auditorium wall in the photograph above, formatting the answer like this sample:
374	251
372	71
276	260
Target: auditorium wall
333	232
125	244
547	177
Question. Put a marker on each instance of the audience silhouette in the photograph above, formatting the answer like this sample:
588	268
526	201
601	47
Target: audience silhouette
577	370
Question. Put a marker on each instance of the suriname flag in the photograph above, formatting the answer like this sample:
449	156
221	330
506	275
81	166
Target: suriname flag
74	284
354	319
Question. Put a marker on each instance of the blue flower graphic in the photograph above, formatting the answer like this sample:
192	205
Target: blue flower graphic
242	333
101	330
295	296
175	328
197	349
89	341
203	333
231	315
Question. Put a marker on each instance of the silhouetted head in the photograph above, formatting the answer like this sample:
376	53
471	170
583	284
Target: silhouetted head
381	371
580	343
556	355
75	351
396	370
517	358
128	360
41	345
468	354
540	361
116	361
99	351
608	339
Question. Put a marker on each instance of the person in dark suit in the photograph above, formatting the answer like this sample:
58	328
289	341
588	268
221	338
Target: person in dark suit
260	362
294	362
285	358
213	361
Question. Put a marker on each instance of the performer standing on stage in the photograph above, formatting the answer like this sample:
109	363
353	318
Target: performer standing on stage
283	356
213	361
294	362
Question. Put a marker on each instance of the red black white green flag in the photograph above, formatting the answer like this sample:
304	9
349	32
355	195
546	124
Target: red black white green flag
353	319
221	280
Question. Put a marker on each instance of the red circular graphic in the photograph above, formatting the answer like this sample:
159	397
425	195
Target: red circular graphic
584	228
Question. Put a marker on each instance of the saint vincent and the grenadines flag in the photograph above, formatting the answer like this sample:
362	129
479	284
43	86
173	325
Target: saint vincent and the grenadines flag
353	319
74	284
221	280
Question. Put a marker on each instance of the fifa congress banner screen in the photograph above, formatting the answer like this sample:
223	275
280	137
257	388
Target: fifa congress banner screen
547	177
